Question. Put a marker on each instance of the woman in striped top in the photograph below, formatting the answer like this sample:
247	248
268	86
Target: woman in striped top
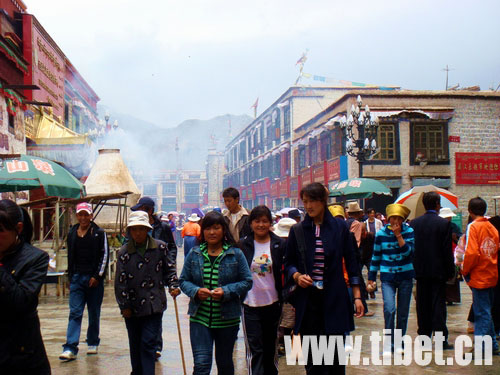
216	277
393	256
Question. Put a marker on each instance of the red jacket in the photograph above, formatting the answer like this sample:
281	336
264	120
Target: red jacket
481	254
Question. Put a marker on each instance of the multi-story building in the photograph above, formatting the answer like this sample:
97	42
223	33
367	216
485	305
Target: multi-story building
13	69
175	191
450	139
64	109
259	160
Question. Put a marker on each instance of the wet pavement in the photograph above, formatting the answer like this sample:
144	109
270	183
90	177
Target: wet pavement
113	357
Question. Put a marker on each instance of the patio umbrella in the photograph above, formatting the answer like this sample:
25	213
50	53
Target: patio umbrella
413	199
359	188
25	172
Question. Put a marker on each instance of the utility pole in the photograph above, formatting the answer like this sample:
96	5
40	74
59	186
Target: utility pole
447	69
178	194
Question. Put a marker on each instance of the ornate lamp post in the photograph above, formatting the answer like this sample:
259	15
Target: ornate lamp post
108	126
360	144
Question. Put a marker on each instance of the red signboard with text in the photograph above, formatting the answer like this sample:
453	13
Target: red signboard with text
306	176
477	168
318	172
285	187
48	72
333	170
275	189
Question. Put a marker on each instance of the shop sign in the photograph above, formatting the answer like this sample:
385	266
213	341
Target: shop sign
48	73
333	170
285	187
318	172
275	189
306	176
477	168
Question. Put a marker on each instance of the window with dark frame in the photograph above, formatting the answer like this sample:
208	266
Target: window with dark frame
286	121
192	189
429	142
302	157
386	143
313	151
326	146
169	188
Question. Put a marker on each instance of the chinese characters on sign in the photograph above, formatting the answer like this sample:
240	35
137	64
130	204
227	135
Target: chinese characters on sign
480	168
14	166
43	166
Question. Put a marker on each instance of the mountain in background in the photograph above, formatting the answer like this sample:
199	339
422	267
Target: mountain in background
147	147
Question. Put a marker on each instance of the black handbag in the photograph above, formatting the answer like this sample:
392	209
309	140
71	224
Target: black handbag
289	290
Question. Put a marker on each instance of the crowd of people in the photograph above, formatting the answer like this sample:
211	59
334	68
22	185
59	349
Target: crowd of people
273	276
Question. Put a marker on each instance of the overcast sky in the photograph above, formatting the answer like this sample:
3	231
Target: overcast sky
167	61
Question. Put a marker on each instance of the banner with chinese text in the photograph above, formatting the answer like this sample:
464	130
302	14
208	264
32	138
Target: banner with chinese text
477	168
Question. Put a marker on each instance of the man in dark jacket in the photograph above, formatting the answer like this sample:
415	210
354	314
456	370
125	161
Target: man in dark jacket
236	216
161	231
434	265
88	257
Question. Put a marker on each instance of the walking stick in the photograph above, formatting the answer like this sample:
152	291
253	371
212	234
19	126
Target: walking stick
180	337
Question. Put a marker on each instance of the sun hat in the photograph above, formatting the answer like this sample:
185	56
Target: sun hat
337	210
144	201
396	209
282	228
194	218
353	207
446	212
84	206
138	218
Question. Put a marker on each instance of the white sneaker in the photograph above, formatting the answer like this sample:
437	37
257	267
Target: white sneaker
67	355
92	349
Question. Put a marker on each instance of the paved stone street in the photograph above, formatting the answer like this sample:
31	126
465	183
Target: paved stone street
113	357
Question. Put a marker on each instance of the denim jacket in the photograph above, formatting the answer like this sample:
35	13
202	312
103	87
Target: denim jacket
235	280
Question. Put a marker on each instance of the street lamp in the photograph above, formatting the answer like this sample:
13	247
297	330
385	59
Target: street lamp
106	117
360	144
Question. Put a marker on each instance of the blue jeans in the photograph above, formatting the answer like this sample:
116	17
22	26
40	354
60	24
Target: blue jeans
142	334
202	342
482	300
189	243
80	294
403	289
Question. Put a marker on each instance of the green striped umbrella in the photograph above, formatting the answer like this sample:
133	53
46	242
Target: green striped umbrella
25	172
358	188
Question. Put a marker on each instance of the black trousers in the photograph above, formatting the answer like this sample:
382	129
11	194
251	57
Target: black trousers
261	334
142	334
431	307
313	323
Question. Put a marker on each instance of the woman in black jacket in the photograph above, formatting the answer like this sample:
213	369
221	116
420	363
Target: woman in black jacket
262	306
22	271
